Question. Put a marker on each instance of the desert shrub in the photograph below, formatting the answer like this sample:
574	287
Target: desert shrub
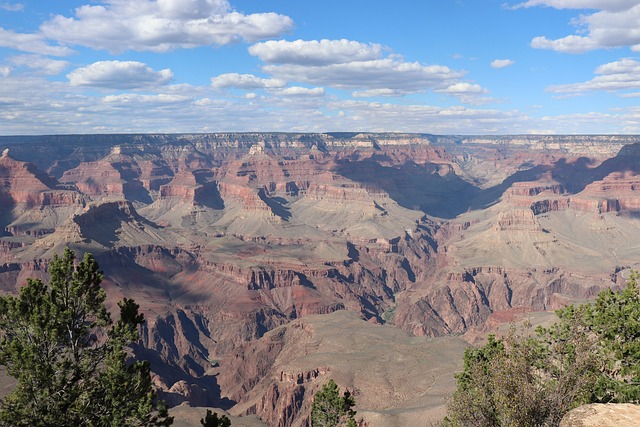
592	354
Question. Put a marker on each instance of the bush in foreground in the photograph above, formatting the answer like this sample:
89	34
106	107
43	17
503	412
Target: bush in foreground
592	354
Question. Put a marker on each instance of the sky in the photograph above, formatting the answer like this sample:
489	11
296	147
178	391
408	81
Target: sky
426	66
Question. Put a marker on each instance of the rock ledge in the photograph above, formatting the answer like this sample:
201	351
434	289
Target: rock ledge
603	415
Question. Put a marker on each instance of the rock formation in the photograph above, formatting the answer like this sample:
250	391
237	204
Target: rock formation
601	415
231	241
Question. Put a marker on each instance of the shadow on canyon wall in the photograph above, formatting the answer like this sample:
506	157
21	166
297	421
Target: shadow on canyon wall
441	193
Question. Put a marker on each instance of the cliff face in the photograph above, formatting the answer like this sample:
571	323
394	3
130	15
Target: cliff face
31	202
225	237
22	183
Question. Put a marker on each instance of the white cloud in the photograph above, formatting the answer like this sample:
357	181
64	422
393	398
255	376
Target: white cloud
462	88
614	76
373	93
119	75
5	71
387	73
12	7
501	63
468	93
44	106
614	25
33	43
161	25
40	63
384	73
315	52
568	44
301	91
594	122
134	98
192	9
375	116
611	5
245	81
351	65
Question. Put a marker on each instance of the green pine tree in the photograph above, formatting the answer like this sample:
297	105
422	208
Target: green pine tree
211	420
70	360
329	409
615	320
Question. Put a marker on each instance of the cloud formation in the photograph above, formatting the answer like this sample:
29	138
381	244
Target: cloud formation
119	75
501	63
44	106
301	91
245	81
373	93
161	25
12	7
134	98
387	73
297	85
33	43
614	76
345	64
468	93
315	52
615	25
610	5
40	64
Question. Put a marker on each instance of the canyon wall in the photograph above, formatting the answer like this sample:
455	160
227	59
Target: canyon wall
223	238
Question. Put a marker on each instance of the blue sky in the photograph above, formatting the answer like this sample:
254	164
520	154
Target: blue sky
434	66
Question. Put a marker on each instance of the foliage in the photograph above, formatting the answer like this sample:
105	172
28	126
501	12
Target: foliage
592	354
69	358
211	420
388	314
615	320
329	409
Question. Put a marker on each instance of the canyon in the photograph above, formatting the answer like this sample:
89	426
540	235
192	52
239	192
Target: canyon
267	263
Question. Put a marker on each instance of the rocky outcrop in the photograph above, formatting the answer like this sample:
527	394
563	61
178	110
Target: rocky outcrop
465	300
96	179
249	198
33	204
517	219
22	183
184	185
603	415
549	205
154	173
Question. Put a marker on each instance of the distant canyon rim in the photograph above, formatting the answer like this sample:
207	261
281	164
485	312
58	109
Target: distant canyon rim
267	263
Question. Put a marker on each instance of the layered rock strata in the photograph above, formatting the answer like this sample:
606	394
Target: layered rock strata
225	237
